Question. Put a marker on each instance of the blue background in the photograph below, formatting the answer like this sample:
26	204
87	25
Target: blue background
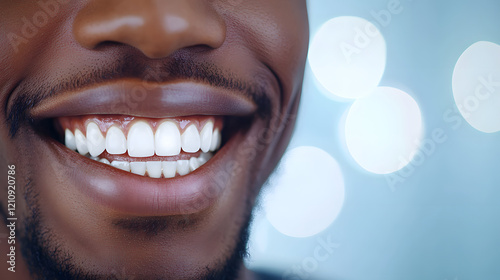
442	221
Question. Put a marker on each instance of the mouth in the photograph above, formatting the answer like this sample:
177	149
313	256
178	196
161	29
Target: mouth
157	148
166	155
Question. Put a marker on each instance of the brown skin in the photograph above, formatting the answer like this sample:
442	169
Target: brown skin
261	42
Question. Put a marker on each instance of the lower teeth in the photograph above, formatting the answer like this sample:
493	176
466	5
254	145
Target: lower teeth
159	169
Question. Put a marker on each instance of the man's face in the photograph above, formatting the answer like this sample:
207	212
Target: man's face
142	131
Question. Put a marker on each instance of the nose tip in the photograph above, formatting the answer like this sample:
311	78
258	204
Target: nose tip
156	27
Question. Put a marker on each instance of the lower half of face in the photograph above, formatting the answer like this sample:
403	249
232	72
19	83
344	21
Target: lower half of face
135	166
185	214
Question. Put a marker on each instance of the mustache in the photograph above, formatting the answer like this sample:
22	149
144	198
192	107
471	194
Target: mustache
30	94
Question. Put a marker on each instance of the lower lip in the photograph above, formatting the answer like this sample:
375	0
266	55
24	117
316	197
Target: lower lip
132	194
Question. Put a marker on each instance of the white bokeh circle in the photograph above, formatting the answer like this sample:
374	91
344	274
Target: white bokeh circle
476	86
305	194
347	56
383	130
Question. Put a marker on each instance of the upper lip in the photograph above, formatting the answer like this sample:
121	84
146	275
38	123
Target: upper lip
135	98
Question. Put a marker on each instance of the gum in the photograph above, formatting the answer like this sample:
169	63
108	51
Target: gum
104	122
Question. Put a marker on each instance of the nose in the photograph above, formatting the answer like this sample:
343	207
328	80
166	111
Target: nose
155	27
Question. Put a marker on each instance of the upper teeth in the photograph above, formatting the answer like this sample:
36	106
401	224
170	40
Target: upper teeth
95	141
167	139
141	141
116	143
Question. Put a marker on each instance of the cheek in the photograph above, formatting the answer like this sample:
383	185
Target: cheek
290	50
29	27
279	34
285	32
60	207
27	30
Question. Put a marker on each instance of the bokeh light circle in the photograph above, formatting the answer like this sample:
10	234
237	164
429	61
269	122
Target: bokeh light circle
305	194
347	56
383	130
476	86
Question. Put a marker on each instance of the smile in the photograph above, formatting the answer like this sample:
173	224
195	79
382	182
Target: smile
171	154
157	148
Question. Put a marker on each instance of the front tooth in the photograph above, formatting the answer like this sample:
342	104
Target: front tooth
95	141
140	140
206	136
167	139
190	139
138	167
183	167
69	139
123	165
103	160
116	143
154	169
169	168
81	142
193	164
216	138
